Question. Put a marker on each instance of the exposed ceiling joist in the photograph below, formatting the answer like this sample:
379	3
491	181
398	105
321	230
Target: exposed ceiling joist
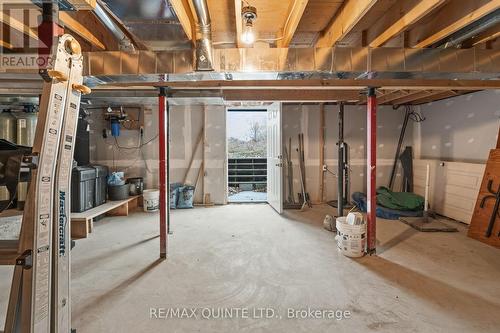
348	16
437	96
460	23
5	44
77	27
18	25
291	95
183	11
486	36
420	10
238	22
391	96
295	12
344	84
411	97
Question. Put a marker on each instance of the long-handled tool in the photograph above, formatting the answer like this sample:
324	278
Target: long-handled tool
427	223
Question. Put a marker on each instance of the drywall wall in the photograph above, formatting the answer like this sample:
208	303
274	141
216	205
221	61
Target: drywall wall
462	128
186	124
305	118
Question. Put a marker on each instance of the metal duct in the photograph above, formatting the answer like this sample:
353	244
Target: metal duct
471	30
294	64
204	49
124	42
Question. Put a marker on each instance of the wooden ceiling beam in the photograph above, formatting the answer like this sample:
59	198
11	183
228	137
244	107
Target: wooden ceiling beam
411	97
351	12
238	22
334	84
463	21
484	37
81	30
295	12
420	10
18	25
291	95
435	96
393	95
183	11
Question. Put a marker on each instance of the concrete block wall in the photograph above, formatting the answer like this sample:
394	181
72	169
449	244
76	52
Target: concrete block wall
305	118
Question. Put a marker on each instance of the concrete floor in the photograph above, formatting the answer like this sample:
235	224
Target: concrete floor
247	256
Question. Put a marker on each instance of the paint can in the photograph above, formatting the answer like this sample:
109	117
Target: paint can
351	239
151	200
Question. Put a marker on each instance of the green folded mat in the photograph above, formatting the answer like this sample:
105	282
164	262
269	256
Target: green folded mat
399	200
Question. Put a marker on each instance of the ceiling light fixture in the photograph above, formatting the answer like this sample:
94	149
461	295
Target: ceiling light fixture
249	15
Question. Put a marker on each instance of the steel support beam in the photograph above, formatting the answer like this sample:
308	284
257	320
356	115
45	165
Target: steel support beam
371	174
162	170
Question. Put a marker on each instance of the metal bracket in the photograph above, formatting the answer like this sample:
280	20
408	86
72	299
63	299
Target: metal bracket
25	260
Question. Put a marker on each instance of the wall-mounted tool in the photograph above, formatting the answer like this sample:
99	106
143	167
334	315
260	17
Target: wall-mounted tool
494	195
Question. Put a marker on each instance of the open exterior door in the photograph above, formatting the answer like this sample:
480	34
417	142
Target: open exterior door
274	158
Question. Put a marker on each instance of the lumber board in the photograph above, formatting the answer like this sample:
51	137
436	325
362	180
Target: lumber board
481	216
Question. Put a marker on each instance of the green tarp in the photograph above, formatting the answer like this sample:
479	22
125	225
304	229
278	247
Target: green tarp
399	200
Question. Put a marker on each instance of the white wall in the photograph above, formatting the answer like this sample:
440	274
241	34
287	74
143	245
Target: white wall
462	128
186	123
305	118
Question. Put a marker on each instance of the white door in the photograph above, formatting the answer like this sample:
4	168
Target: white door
274	158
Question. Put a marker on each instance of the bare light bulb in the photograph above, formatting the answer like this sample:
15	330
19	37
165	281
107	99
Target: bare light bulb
247	36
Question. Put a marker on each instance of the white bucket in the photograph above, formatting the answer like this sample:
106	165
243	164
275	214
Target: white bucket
151	200
351	239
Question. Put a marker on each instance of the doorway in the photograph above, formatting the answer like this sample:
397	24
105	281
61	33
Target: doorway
247	155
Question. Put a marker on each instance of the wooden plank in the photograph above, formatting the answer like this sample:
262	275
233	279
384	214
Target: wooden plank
296	10
238	22
344	84
291	95
121	210
349	15
185	16
411	97
422	9
481	217
462	22
436	96
74	25
79	228
102	209
83	4
18	25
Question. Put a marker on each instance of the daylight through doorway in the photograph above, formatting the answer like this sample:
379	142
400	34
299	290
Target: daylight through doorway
247	155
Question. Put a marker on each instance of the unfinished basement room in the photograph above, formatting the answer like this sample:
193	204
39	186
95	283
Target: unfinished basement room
250	166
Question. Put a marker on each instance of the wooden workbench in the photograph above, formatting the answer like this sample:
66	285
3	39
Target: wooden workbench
83	223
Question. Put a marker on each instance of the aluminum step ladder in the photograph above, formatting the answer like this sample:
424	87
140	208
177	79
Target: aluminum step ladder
40	299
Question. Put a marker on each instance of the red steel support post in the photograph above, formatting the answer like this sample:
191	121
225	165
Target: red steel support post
162	133
371	174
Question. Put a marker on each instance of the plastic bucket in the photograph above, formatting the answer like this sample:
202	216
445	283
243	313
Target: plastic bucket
151	200
351	239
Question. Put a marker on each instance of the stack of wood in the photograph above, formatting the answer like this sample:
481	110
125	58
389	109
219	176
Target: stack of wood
485	223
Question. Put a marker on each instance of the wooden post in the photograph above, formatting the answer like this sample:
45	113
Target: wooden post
498	139
321	152
371	174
